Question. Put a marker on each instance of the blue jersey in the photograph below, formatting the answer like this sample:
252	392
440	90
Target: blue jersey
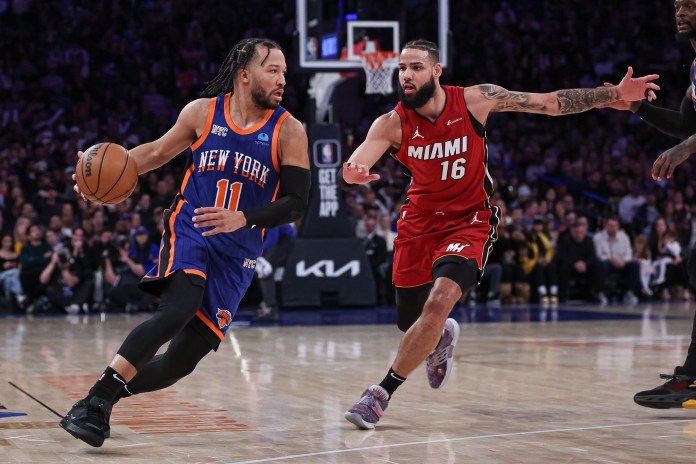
235	168
230	168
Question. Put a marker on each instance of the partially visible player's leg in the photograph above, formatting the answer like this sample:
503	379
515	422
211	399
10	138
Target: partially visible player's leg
182	356
679	390
409	304
88	419
466	274
417	342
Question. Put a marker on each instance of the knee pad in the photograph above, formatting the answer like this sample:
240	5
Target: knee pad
409	304
463	271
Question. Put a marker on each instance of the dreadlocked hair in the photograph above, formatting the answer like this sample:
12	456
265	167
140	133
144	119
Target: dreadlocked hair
426	45
238	58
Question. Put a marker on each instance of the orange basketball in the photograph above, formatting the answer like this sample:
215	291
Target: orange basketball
106	174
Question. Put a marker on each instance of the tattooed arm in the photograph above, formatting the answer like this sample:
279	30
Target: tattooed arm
489	98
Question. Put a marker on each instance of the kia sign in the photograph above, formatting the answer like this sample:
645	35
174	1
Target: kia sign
328	272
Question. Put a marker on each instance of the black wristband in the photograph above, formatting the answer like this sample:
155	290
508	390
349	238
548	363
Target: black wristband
345	186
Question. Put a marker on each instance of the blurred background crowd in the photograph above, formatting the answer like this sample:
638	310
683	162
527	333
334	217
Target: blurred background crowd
582	217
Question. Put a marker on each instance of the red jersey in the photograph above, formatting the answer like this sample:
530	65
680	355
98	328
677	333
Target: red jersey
447	159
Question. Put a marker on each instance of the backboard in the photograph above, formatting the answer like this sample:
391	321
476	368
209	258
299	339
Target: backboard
332	34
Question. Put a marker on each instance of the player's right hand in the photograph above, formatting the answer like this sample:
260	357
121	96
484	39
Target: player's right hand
354	173
80	154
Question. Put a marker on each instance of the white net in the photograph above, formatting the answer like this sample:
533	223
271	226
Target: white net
379	67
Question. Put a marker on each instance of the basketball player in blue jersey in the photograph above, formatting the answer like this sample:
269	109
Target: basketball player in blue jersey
249	170
679	390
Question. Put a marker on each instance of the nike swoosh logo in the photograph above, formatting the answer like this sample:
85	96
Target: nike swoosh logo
119	379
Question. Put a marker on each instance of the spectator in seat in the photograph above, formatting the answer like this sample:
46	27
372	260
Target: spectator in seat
577	261
615	256
69	275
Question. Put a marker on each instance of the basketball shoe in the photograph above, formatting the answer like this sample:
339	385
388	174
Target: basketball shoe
679	390
88	420
438	365
369	409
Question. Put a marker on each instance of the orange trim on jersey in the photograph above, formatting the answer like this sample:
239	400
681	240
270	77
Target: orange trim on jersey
208	125
172	239
233	126
274	145
189	171
210	325
196	272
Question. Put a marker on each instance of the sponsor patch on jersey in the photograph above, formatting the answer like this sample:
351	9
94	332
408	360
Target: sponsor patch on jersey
249	263
219	130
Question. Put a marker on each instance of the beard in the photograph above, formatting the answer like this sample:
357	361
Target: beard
263	100
686	36
419	97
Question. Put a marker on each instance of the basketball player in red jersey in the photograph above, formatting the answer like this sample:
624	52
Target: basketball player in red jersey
447	228
249	170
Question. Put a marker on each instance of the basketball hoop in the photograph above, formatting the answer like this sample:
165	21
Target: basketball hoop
379	67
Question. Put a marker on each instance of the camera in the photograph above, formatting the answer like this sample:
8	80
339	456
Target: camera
63	256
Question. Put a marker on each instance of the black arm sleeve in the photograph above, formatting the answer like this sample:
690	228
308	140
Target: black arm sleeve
680	124
291	201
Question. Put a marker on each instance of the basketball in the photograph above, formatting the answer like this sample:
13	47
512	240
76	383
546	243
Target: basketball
106	174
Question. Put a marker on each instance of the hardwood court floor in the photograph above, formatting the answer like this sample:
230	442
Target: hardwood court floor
524	392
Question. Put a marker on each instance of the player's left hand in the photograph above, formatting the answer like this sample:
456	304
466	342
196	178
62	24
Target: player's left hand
632	89
220	219
623	105
665	164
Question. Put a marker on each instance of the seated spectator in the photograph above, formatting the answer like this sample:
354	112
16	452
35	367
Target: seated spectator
577	262
9	273
641	253
505	252
615	257
669	253
675	279
543	275
69	276
34	257
122	272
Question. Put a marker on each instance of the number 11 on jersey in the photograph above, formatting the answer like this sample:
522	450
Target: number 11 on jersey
222	200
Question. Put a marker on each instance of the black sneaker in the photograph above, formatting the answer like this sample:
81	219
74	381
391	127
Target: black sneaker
88	420
678	389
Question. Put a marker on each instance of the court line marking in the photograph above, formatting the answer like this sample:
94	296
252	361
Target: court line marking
40	402
449	440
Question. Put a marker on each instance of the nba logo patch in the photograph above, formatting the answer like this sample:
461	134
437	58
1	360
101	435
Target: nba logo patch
249	263
224	318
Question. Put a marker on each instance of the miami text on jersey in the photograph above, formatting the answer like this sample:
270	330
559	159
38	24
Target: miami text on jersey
439	150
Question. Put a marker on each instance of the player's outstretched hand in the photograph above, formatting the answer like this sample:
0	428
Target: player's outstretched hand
220	219
623	105
80	154
633	89
354	173
665	164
